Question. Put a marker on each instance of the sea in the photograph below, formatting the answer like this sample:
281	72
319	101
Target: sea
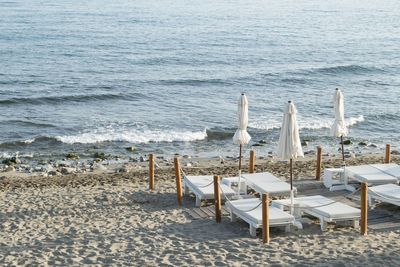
132	77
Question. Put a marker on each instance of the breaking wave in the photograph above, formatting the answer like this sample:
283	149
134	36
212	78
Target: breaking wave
133	136
66	98
312	123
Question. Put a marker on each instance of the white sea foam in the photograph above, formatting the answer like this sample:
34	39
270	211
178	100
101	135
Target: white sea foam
354	121
5	155
133	136
266	123
29	141
310	123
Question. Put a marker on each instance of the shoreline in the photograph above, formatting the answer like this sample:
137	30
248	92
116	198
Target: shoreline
95	158
304	168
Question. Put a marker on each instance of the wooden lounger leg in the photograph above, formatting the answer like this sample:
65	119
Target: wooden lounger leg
253	230
324	225
198	201
287	228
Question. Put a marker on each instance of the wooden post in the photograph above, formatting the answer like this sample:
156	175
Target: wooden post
319	162
217	197
178	179
252	161
387	158
265	219
151	171
364	208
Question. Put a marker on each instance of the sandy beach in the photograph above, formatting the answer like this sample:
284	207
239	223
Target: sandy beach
112	219
92	92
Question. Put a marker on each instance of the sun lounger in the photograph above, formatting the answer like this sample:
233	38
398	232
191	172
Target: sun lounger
203	188
265	182
320	207
389	193
389	168
250	211
374	174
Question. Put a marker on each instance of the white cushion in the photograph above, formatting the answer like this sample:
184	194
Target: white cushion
265	182
203	186
336	210
390	191
369	174
260	176
242	206
389	168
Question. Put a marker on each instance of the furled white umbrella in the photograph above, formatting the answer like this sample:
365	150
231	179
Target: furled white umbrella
289	145
339	128
241	136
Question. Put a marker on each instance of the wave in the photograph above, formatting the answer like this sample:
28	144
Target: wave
346	69
24	82
386	117
311	123
29	123
299	76
296	81
7	155
195	82
133	136
353	121
62	99
327	123
40	139
266	123
220	134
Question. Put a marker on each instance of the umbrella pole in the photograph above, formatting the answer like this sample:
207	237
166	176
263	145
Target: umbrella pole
240	157
291	187
291	174
341	141
240	168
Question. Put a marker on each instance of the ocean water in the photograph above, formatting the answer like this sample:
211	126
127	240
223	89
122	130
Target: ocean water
165	76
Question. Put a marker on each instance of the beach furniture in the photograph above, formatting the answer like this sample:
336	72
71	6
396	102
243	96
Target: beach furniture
325	209
373	174
250	211
334	179
265	182
203	187
389	193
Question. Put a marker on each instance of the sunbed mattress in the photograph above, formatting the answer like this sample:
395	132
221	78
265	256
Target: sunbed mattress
242	207
204	186
370	174
321	205
265	182
390	191
390	168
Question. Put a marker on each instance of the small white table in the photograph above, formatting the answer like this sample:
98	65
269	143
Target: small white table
230	181
335	179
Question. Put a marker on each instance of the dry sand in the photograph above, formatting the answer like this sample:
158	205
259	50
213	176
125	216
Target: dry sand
113	220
